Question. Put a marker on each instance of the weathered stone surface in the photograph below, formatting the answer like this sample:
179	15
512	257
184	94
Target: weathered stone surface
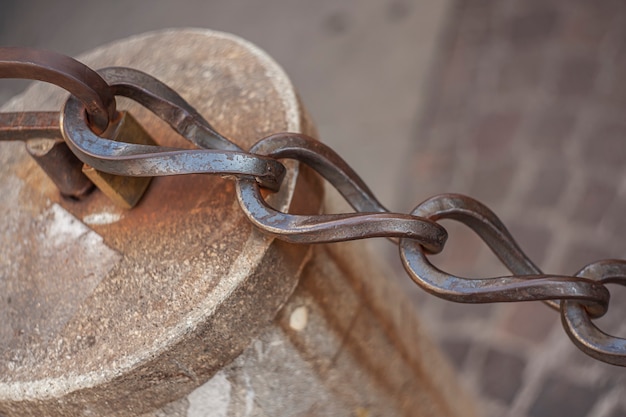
151	303
100	304
347	343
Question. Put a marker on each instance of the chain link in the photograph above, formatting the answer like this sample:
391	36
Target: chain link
579	298
127	159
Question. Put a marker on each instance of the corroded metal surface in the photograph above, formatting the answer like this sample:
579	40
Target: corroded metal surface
100	303
218	155
65	72
61	166
42	132
528	282
372	219
29	125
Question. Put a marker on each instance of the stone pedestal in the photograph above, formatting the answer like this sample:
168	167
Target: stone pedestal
179	305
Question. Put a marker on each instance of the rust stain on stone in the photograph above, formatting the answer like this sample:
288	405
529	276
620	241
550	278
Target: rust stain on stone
184	252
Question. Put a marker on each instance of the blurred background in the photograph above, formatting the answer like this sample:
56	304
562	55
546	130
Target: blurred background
519	103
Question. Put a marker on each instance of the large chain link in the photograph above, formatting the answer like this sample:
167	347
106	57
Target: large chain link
579	298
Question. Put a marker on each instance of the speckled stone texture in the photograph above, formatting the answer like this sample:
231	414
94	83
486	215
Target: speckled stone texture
110	312
100	304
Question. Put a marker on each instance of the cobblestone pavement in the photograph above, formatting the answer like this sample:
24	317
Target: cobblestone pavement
526	114
523	112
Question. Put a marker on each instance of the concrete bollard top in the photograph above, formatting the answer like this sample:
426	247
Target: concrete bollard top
106	311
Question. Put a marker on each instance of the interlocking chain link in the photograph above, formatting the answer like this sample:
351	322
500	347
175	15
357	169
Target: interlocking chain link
579	298
80	80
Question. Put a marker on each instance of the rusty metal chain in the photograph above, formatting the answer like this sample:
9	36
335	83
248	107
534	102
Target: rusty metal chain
579	298
66	72
218	156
